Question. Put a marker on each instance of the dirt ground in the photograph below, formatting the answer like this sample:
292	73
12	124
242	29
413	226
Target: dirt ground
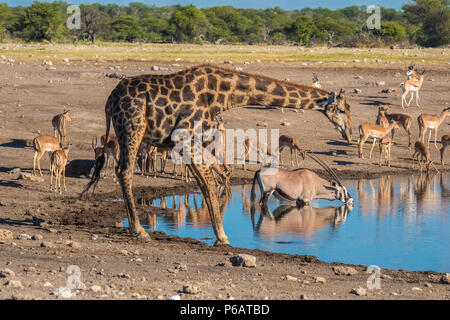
113	265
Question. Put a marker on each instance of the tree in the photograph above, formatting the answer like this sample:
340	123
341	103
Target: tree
188	24
302	29
42	21
126	28
391	32
93	21
433	19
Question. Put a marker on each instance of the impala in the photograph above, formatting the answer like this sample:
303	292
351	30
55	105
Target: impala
429	121
370	130
58	162
42	144
402	120
412	86
59	125
111	148
316	83
259	148
292	143
385	150
420	149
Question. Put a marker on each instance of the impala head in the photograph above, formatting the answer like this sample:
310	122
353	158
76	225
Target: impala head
410	70
66	115
446	111
315	78
383	107
337	111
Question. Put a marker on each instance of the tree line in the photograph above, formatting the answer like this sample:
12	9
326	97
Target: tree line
421	22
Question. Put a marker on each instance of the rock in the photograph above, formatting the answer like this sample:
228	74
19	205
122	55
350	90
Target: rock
63	292
291	278
239	69
356	90
74	244
37	237
262	124
320	280
245	260
303	297
96	288
47	244
124	252
7	273
29	177
6	234
356	60
14	171
358	77
155	68
360	291
190	289
416	289
285	124
24	236
228	62
445	278
115	75
177	297
428	285
48	284
93	237
344	271
380	83
15	284
65	60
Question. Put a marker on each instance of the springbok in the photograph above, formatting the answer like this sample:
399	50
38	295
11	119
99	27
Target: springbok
412	86
292	143
59	125
445	140
370	130
420	149
429	121
111	149
58	162
42	144
144	152
385	150
316	83
402	120
301	185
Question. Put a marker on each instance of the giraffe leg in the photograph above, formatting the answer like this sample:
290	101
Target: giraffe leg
129	142
205	179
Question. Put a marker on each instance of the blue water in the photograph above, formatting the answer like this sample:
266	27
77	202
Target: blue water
397	222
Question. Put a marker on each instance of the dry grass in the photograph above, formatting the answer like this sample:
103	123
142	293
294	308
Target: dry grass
218	53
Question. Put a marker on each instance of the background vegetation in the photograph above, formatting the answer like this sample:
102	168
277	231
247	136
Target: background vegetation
421	22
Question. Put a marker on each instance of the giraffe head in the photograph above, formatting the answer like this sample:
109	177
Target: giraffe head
337	111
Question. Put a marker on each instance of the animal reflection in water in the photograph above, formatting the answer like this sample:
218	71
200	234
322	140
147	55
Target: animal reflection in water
304	220
181	210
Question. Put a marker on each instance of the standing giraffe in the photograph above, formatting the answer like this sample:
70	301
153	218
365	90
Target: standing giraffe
151	107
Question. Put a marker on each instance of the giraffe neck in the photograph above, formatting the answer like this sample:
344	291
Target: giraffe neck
236	89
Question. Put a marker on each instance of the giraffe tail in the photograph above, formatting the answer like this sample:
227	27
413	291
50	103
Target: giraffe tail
100	161
99	164
253	194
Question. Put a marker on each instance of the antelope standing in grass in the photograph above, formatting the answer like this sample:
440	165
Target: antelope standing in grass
58	162
60	126
42	144
411	86
429	121
385	150
445	140
301	185
292	143
371	130
422	151
111	148
402	120
316	83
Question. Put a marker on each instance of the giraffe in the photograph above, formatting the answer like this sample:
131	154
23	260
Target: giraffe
151	107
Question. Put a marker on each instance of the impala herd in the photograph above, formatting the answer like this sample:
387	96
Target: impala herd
379	131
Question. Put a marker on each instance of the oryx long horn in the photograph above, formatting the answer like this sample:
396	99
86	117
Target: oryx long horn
327	168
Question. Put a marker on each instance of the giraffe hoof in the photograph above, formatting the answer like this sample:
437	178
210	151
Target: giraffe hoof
143	236
221	243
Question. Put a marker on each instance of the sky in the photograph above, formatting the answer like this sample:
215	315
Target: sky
257	4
